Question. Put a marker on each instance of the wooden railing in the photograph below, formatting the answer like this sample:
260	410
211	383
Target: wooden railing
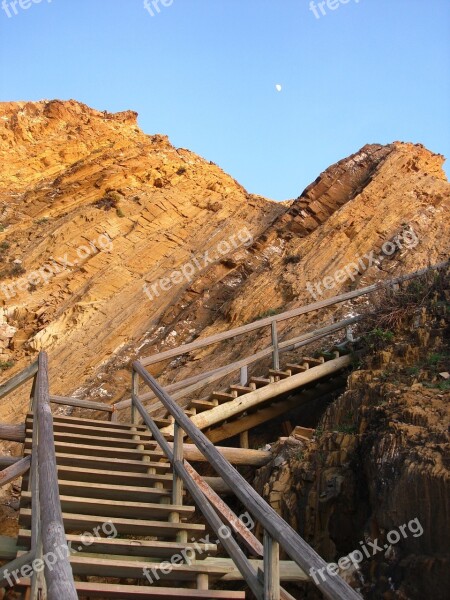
180	389
47	527
277	533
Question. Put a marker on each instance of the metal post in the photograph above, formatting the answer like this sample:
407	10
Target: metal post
244	375
271	568
275	353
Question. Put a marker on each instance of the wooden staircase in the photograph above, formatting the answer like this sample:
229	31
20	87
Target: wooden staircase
116	497
114	491
237	409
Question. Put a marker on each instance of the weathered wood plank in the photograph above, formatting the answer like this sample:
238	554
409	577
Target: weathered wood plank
18	380
271	568
132	592
59	578
12	433
306	558
252	399
116	508
14	471
129	547
81	403
289	570
138	527
227	515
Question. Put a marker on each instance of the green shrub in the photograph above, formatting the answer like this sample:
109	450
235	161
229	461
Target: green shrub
6	365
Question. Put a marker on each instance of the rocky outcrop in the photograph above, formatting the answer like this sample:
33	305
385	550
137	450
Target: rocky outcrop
379	461
110	239
91	211
336	186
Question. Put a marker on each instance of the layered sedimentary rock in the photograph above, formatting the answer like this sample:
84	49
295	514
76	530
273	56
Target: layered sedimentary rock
93	210
115	244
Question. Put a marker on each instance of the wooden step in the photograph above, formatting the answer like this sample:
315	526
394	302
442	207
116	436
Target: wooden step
90	430
312	362
127	547
129	592
110	477
243	389
202	405
115	508
99	451
85	489
110	463
260	381
294	368
136	527
106	442
222	397
89	566
93	422
280	374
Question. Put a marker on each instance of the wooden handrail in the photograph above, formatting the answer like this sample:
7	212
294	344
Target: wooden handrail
14	471
225	335
180	471
306	558
59	579
12	433
18	380
87	404
191	384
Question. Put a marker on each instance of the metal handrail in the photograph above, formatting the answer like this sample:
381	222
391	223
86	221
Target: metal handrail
280	533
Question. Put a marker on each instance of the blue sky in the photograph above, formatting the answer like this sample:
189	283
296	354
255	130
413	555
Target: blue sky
204	72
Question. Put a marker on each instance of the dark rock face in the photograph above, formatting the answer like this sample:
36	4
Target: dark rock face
376	475
337	185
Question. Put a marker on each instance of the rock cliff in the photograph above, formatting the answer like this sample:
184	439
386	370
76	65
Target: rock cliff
116	244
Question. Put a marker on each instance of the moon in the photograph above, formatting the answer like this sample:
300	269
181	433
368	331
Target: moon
278	87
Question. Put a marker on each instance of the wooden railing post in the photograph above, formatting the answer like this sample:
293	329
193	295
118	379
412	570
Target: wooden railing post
134	392
271	568
177	486
244	375
277	528
59	578
36	540
275	352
